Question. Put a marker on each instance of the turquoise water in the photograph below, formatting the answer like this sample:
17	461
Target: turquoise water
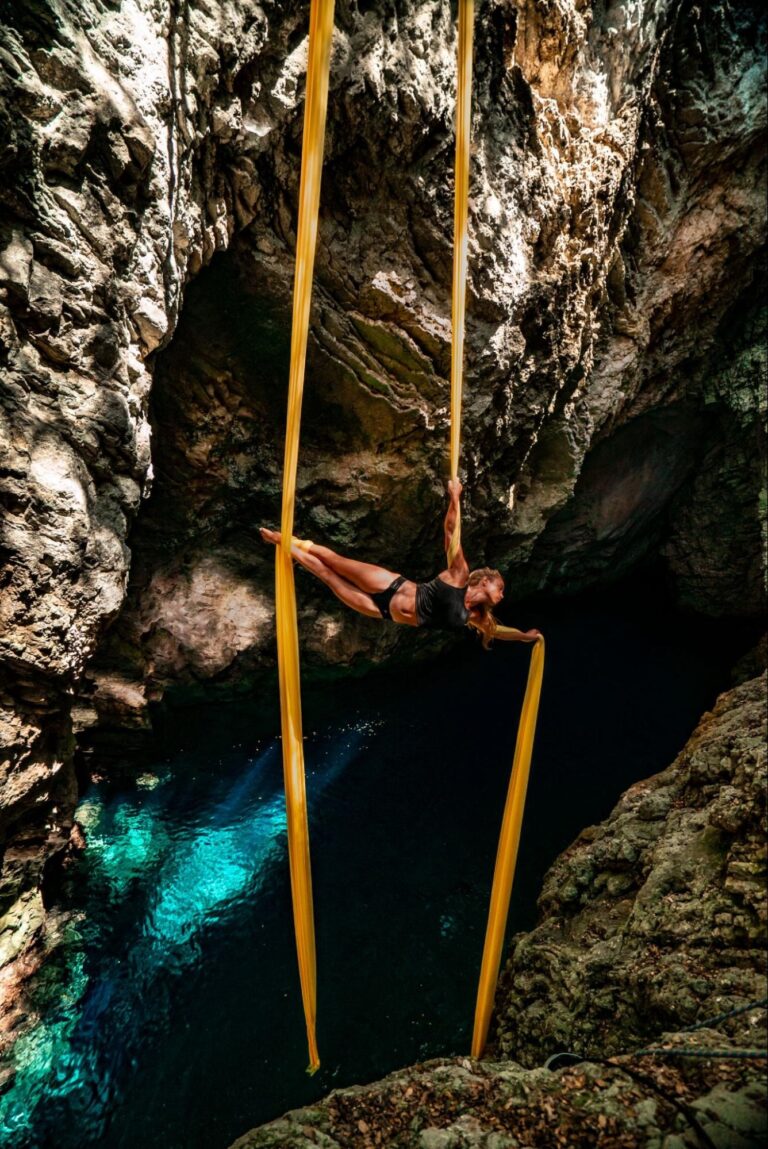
170	862
171	1015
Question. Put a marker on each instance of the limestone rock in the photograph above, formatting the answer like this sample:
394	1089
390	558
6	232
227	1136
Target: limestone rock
37	795
600	419
461	1104
113	193
656	919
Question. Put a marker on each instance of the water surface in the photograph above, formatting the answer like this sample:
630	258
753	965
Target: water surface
171	1018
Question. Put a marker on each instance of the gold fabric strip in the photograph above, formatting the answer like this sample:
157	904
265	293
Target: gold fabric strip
509	841
320	36
460	224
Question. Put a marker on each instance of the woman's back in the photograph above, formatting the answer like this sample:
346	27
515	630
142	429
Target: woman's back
440	605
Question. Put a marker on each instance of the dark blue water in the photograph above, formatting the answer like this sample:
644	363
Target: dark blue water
171	1016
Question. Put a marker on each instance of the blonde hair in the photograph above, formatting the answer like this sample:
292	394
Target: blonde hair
486	624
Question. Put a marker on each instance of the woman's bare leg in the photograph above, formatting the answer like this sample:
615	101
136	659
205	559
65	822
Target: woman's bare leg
366	576
349	594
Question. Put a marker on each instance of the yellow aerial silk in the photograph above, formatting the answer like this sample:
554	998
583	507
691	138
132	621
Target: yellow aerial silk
509	840
320	35
460	218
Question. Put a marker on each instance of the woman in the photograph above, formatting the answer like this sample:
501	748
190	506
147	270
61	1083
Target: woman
454	599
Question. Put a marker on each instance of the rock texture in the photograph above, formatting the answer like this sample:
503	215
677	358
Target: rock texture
657	918
104	154
614	403
617	221
652	922
460	1104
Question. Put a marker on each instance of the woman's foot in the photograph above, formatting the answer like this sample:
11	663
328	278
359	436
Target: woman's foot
275	537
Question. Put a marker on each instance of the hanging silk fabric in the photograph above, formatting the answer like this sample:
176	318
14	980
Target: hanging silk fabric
460	241
320	36
509	841
512	820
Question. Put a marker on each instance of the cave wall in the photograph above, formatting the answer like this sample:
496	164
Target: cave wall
617	215
118	184
602	377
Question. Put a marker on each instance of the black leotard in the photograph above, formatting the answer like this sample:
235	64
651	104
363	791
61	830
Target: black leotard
440	605
383	598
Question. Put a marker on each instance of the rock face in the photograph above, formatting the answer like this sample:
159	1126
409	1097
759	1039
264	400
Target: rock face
655	919
613	342
652	922
103	219
498	1105
613	403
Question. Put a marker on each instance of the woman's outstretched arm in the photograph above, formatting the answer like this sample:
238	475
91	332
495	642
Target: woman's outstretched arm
459	568
512	634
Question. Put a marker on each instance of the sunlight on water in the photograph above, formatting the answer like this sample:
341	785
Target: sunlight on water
178	868
122	842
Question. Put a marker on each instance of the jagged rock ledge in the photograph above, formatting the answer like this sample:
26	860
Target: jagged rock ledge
459	1104
652	922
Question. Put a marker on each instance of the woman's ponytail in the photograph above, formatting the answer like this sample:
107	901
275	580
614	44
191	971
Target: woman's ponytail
486	624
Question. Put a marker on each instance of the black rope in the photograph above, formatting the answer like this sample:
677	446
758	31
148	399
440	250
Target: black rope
712	1054
710	1022
661	1051
687	1111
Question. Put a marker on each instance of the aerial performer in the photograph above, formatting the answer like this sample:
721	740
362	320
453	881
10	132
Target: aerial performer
454	599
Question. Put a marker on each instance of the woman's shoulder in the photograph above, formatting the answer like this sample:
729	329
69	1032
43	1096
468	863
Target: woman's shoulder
447	577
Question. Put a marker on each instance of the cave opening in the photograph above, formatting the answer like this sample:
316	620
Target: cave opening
179	906
615	453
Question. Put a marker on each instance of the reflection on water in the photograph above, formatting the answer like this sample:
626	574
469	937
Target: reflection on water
166	863
171	1016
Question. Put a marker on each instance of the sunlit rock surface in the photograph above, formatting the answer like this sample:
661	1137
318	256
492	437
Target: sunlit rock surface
105	113
613	345
613	405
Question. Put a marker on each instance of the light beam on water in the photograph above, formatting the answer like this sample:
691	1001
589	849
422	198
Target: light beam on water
192	868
